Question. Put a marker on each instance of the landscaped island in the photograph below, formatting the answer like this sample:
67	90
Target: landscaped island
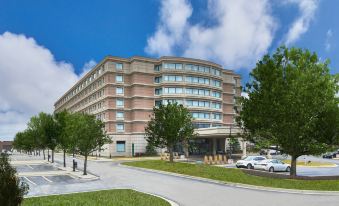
119	197
235	176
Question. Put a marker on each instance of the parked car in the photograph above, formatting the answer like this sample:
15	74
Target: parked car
272	165
249	161
330	155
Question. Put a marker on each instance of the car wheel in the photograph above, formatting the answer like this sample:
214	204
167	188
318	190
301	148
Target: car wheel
237	166
288	169
271	169
249	166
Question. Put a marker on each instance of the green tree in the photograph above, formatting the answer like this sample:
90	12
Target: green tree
89	133
11	190
169	125
50	131
63	139
150	150
291	103
36	129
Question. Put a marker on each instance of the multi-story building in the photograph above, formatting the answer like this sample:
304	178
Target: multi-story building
123	91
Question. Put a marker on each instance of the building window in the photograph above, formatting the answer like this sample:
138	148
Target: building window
157	103
119	78
217	116
157	79
157	68
216	105
120	103
120	127
118	66
120	115
158	91
120	90
173	90
216	94
172	66
216	83
121	146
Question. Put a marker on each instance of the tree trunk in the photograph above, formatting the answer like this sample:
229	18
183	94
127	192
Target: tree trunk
53	156
73	161
170	149
85	165
64	158
43	152
48	155
293	171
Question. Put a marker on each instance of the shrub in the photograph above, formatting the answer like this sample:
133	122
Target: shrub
11	189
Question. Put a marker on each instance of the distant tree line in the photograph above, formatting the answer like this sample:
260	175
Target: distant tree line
75	133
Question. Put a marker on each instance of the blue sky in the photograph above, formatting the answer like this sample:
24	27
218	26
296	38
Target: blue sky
48	42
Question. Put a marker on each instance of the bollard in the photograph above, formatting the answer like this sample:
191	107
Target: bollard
210	159
205	159
220	159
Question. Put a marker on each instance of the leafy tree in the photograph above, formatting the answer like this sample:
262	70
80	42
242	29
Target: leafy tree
72	134
169	125
234	145
63	138
35	127
11	190
291	104
150	150
89	133
50	130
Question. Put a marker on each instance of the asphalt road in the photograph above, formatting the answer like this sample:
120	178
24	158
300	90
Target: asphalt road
184	191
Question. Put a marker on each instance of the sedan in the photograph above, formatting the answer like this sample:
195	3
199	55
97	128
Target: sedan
272	165
249	161
330	155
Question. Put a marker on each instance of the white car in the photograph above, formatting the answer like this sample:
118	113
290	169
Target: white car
272	165
249	161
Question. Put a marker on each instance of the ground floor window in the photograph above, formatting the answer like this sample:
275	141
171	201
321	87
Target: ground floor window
121	146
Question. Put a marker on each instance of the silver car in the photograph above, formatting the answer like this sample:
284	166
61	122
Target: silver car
272	165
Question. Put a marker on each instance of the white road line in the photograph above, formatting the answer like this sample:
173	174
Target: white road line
30	181
48	180
29	166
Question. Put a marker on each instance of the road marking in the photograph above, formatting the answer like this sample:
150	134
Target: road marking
29	166
30	181
48	180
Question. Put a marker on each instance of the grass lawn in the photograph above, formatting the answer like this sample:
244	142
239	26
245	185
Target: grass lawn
119	197
311	164
236	175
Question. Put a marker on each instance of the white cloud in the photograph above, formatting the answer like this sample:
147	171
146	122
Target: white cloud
329	35
87	67
31	80
243	32
307	10
173	25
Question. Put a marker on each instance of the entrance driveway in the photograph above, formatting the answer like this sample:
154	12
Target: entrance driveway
181	190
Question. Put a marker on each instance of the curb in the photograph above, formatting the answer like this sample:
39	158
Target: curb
171	202
239	185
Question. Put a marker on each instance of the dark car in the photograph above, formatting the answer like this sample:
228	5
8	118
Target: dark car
330	155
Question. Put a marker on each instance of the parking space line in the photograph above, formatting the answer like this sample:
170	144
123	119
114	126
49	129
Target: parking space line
30	180
48	180
29	166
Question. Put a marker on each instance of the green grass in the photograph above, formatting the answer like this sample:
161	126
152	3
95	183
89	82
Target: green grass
118	197
236	176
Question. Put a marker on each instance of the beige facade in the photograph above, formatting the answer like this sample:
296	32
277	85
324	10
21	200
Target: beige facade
123	91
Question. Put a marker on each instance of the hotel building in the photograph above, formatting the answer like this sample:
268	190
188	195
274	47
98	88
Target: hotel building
122	92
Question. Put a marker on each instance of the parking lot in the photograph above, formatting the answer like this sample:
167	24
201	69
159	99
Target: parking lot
29	175
36	172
